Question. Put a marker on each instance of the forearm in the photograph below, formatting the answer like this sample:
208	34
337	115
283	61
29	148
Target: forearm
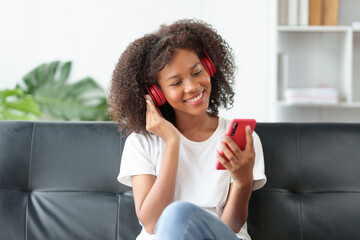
236	209
162	192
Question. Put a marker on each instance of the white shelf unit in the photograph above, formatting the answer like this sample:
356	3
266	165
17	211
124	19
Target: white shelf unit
320	56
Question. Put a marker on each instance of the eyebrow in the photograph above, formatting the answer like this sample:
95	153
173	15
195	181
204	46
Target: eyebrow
177	75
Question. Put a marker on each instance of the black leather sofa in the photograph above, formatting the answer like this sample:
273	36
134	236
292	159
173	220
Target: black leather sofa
58	181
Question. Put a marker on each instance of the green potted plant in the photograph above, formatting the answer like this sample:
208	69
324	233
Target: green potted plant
16	105
83	100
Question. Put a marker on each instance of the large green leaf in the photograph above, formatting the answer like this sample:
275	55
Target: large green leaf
82	100
15	105
10	92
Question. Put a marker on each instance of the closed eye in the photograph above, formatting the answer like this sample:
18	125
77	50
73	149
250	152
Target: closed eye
175	83
197	73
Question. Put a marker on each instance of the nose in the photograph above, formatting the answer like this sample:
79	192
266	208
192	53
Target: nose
192	85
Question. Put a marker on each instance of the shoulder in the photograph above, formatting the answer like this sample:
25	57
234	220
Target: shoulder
137	157
142	139
143	143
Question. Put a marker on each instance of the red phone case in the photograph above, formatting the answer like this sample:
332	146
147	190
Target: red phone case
236	131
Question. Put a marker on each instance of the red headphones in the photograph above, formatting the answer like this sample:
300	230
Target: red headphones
159	98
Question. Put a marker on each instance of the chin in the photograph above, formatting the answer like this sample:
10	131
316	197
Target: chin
199	111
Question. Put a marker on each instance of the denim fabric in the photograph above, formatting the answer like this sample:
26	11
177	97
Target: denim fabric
186	221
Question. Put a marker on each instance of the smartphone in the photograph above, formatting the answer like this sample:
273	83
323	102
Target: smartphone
236	131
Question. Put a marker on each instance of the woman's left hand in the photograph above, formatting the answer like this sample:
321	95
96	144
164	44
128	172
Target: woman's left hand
241	163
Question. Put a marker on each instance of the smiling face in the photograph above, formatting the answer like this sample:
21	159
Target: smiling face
185	83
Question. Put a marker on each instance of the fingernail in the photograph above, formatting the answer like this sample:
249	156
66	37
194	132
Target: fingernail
248	128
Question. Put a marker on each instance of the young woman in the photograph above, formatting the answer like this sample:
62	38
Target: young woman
166	90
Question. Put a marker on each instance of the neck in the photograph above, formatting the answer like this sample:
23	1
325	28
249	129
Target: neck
198	127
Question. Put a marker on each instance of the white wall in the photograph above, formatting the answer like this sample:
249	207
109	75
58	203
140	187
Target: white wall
93	33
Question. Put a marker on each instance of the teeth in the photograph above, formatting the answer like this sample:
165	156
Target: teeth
195	99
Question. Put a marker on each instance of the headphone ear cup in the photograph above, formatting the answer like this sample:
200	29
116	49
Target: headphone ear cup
208	64
156	95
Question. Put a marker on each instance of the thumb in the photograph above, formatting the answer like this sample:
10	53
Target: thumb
249	138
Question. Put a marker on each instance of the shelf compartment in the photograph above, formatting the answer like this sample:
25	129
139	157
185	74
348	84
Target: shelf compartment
318	59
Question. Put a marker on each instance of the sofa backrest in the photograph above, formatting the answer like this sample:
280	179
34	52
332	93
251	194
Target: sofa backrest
313	188
58	181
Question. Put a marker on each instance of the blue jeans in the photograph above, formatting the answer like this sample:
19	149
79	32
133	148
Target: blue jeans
186	221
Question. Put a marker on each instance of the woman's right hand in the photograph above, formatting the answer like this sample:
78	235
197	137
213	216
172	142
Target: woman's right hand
158	125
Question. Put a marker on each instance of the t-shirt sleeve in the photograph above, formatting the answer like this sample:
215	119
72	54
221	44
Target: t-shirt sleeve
259	166
135	159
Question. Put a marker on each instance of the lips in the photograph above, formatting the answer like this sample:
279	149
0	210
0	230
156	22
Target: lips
196	98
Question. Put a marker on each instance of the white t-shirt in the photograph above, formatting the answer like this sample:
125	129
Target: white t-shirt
197	181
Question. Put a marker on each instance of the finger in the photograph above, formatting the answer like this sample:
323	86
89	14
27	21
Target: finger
249	138
149	102
232	145
222	160
152	107
148	114
228	154
147	97
148	108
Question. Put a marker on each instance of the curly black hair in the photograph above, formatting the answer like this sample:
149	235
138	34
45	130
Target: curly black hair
146	56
